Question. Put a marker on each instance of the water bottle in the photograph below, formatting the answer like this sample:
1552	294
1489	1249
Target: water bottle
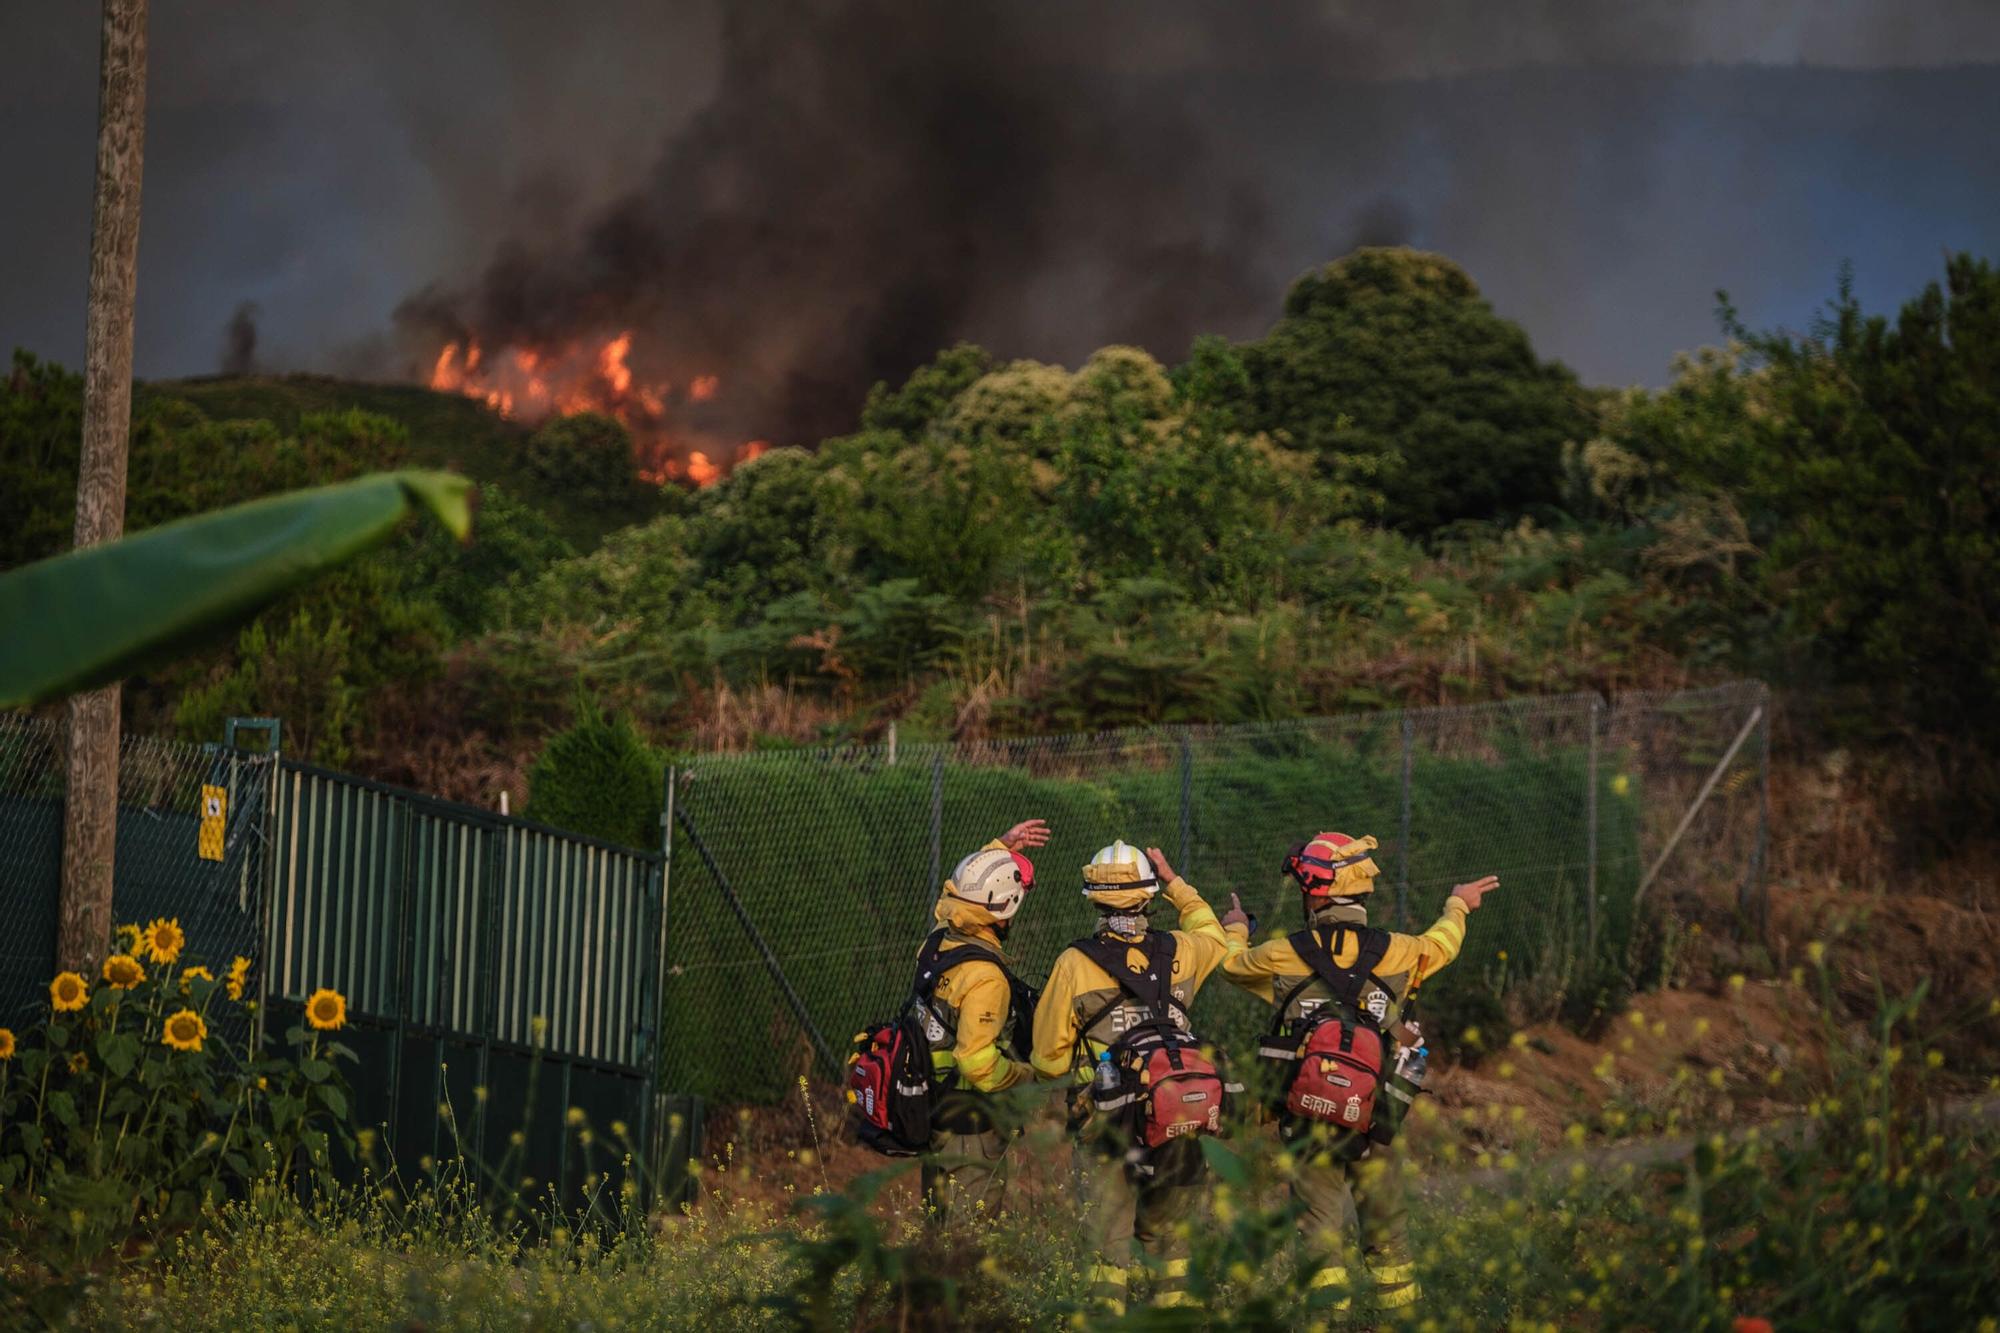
1412	1059
1106	1082
1412	1064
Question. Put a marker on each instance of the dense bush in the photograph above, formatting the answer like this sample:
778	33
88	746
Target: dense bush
598	778
1388	499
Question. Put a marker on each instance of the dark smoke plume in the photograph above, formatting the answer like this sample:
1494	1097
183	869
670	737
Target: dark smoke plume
239	341
873	181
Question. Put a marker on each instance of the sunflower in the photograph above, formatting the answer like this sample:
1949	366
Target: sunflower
78	1062
327	1009
130	937
6	1043
164	939
239	974
184	1031
195	973
69	992
122	970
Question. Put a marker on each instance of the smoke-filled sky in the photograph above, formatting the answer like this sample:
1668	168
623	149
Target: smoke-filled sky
805	195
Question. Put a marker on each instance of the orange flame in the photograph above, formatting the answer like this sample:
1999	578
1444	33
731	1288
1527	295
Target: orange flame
539	382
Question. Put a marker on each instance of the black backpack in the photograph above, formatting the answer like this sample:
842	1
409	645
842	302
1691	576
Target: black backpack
892	1087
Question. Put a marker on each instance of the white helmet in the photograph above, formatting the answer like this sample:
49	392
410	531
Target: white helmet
1118	867
992	878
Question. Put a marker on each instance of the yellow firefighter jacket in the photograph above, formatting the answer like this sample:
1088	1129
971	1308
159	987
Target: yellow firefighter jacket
1078	988
971	1001
1410	959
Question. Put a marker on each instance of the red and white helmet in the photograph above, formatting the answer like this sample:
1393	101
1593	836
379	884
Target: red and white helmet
1333	865
994	879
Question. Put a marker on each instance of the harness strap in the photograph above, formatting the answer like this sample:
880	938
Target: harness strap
1346	983
1109	956
933	961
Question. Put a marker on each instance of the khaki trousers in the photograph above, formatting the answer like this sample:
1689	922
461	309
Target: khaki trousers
1122	1207
965	1175
1343	1201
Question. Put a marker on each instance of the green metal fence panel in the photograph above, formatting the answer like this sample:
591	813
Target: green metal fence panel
500	967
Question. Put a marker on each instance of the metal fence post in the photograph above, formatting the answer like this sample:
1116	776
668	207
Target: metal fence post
1757	902
1403	834
937	825
652	1001
1187	802
1590	837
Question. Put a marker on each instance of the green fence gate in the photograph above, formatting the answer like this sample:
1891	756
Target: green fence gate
500	976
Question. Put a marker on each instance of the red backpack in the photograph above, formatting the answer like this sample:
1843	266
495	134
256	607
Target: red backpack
1160	1086
1338	1048
891	1083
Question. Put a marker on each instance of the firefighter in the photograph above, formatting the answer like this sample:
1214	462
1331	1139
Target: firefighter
1128	1193
1339	1169
973	1017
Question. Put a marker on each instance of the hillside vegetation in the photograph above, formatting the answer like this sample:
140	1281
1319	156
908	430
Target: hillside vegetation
1389	498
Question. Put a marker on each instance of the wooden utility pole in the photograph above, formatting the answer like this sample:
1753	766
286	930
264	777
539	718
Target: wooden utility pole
90	811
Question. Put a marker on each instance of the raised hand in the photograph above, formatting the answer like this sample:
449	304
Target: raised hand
1161	869
1027	833
1236	916
1470	894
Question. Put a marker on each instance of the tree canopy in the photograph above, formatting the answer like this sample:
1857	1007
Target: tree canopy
1391	356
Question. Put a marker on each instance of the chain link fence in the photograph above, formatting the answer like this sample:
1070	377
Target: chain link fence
165	867
801	882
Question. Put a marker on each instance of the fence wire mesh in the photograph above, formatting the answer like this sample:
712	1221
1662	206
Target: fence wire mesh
801	882
161	869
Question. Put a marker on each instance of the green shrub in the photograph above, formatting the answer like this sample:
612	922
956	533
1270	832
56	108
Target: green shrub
598	778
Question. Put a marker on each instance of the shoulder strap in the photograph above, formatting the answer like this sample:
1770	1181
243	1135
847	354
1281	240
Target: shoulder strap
1345	982
934	960
1155	990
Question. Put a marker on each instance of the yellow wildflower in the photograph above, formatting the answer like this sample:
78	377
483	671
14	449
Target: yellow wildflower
122	970
185	1031
195	973
130	938
327	1009
164	940
239	973
6	1043
78	1062
69	992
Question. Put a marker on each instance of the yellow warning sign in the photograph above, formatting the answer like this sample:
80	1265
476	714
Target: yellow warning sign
214	816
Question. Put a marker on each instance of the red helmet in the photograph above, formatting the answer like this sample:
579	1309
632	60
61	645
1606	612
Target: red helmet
1333	865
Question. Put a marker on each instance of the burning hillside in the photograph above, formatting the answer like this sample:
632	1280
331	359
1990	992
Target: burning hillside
664	416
